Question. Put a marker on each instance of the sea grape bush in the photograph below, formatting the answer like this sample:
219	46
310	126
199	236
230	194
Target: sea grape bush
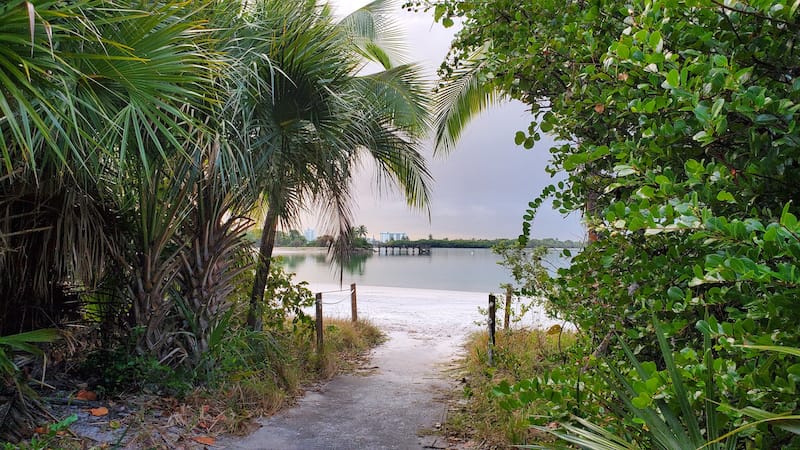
682	146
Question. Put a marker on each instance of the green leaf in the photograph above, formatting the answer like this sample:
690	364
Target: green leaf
702	113
720	61
725	196
623	170
675	293
682	396
673	78
794	351
438	12
656	42
574	160
528	143
717	107
44	335
771	234
788	219
641	402
623	51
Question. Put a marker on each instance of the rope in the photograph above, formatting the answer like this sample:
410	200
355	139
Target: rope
340	290
346	297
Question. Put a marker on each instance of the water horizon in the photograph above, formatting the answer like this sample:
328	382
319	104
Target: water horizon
444	269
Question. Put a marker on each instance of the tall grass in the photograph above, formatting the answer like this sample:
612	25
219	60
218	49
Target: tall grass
518	355
260	373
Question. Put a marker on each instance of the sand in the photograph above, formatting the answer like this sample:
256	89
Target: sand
400	400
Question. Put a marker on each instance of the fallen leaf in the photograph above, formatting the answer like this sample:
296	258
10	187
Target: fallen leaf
599	108
101	411
622	76
86	395
206	440
40	430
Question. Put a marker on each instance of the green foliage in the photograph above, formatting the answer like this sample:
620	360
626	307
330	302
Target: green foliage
653	419
530	276
121	371
678	134
25	343
268	357
285	300
519	354
291	239
47	440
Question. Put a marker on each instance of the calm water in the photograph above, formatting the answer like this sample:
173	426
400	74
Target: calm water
454	269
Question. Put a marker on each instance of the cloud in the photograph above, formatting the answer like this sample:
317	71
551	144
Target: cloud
483	187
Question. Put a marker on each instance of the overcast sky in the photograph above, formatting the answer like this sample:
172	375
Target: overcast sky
482	188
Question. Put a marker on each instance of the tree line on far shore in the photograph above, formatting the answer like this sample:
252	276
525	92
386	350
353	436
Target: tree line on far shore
293	238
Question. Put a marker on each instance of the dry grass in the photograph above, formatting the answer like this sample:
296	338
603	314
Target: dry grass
347	344
248	393
475	414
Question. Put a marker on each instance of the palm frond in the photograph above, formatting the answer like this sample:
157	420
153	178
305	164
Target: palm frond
461	97
375	34
404	93
590	436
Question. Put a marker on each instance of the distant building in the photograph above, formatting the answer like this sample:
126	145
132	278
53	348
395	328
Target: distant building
387	236
310	234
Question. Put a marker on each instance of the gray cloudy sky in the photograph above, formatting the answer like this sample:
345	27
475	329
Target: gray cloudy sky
482	188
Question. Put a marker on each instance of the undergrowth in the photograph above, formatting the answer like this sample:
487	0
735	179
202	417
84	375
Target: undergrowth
519	354
254	374
261	373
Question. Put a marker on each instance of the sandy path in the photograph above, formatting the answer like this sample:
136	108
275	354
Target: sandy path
389	406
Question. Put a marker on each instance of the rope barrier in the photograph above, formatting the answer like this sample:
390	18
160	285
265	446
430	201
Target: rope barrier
340	290
335	303
350	291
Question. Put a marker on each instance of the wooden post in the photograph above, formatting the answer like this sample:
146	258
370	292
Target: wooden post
492	318
508	308
320	343
353	303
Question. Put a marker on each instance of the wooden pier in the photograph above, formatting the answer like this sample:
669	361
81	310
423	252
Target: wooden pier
402	249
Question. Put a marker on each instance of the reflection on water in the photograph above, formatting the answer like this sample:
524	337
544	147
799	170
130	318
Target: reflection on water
355	265
474	270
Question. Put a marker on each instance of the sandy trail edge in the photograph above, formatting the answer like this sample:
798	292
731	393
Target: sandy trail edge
390	406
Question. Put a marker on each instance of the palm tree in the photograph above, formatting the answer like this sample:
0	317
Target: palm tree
361	231
93	120
321	117
99	104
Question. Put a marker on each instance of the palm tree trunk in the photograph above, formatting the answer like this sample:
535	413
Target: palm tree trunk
254	316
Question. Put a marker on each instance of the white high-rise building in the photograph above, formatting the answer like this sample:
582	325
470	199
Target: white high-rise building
387	236
310	234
